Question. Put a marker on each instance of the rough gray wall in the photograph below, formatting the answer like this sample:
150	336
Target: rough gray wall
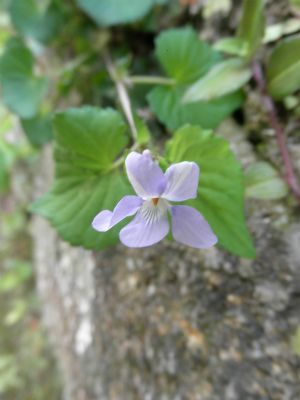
172	323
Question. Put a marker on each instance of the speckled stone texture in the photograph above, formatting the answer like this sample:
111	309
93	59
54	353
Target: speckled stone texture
173	323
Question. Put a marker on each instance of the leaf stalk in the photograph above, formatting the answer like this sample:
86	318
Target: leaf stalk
149	80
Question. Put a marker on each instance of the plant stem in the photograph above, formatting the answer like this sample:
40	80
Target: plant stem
122	94
270	107
149	80
120	161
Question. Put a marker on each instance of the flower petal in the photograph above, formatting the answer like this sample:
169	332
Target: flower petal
106	219
190	228
146	177
182	181
142	233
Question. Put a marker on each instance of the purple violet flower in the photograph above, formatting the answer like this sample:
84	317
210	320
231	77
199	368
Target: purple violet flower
155	190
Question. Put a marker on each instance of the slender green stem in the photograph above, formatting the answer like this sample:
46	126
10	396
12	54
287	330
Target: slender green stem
120	161
149	80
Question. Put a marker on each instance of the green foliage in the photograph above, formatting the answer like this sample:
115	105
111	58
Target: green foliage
250	33
22	91
201	88
263	182
87	142
185	58
225	77
38	129
167	104
183	55
31	20
143	134
91	144
233	46
115	11
252	26
283	68
221	190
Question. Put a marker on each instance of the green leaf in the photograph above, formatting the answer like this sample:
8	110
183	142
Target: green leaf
183	55
283	68
221	190
185	58
143	133
113	12
22	91
166	103
88	140
225	77
252	26
232	45
263	182
38	130
30	20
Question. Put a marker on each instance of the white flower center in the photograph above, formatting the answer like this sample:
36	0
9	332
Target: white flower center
155	209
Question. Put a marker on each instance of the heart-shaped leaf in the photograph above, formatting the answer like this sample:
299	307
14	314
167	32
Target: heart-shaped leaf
221	190
87	142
